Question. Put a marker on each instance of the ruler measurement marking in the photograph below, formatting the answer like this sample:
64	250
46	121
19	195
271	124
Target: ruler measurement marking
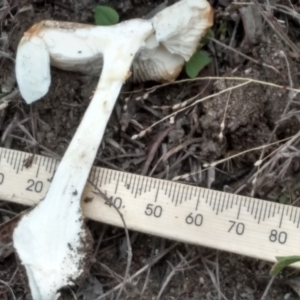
174	193
207	196
44	159
186	193
213	203
39	165
219	200
198	200
296	210
239	210
110	172
266	207
298	220
141	188
191	193
5	153
117	185
16	160
232	200
130	180
248	208
177	195
55	166
166	189
269	215
154	183
256	210
51	166
133	185
101	177
211	197
126	178
253	204
146	185
291	214
106	176
150	184
12	159
281	216
157	190
182	194
9	157
274	209
137	188
260	211
47	164
204	196
223	202
227	203
19	160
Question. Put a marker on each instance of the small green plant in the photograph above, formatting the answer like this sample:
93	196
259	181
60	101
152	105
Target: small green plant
197	62
282	262
200	59
105	16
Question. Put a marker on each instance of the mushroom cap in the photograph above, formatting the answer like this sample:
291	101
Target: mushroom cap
178	31
180	26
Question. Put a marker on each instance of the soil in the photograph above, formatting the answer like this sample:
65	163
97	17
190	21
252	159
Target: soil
253	115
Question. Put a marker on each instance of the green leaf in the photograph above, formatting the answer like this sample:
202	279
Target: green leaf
196	63
105	15
282	262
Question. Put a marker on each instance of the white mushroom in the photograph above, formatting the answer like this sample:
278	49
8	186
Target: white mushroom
51	240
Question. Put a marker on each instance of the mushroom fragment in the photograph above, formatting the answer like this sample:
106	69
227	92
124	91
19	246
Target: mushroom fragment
51	240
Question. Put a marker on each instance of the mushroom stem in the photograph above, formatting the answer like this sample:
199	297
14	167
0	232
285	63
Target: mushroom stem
51	240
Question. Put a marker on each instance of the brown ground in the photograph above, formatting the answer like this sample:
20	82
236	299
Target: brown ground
256	114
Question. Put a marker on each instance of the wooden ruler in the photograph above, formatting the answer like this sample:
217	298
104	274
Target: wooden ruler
238	224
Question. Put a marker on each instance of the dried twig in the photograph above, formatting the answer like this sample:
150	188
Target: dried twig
264	296
142	133
243	55
155	260
9	288
213	278
154	148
